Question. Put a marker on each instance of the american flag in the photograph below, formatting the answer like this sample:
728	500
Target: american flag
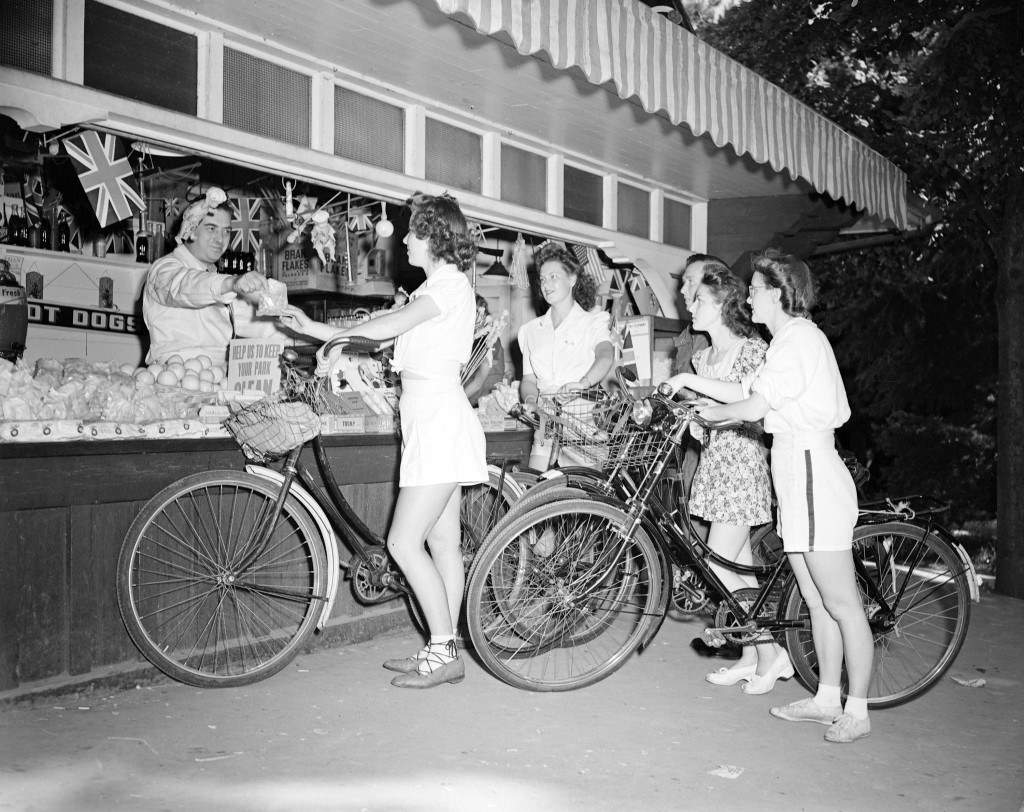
106	175
246	217
591	262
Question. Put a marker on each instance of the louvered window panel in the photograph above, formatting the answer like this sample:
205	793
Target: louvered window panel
634	210
454	156
368	130
266	99
677	224
26	35
139	59
583	196
524	178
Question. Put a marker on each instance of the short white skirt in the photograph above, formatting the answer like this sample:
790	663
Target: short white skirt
816	495
442	439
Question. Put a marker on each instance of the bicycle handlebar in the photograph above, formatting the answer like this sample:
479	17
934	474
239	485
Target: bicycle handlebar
353	343
691	404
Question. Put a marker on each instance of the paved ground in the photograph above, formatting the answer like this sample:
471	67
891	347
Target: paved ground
330	733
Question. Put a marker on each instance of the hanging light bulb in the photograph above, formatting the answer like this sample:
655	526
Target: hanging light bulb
384	228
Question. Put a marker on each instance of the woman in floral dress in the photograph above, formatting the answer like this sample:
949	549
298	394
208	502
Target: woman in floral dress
732	486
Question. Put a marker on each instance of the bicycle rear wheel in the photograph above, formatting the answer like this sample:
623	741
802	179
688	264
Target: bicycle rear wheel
917	597
483	506
559	599
215	588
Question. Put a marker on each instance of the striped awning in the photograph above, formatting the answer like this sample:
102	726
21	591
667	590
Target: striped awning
668	69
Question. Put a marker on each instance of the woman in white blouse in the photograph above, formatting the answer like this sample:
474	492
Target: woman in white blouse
443	444
800	394
569	348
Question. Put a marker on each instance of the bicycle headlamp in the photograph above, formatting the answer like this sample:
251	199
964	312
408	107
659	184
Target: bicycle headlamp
643	411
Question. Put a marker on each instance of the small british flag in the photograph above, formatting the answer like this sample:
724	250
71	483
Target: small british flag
106	175
246	218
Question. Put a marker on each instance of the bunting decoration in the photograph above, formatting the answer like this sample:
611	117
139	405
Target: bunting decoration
360	221
246	218
591	262
518	277
476	232
32	194
106	175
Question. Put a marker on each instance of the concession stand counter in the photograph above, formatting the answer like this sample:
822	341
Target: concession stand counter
601	125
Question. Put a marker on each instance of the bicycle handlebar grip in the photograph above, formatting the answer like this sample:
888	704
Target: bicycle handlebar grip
353	343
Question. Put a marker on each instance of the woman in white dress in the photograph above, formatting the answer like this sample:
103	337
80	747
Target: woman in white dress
443	444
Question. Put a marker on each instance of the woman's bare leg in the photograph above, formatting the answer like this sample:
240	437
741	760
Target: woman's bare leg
733	542
417	511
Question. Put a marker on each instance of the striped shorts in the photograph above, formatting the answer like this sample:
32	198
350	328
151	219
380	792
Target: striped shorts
816	496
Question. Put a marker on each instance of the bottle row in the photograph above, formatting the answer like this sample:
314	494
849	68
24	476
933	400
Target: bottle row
16	228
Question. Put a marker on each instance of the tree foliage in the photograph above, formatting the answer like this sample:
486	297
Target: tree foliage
922	327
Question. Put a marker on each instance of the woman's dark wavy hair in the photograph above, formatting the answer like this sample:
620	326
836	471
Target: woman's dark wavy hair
731	293
585	289
440	221
789	275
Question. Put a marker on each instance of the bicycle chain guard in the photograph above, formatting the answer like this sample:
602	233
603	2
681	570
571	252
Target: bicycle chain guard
726	622
372	579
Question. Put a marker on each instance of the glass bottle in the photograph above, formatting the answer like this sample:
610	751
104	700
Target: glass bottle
142	241
45	233
63	234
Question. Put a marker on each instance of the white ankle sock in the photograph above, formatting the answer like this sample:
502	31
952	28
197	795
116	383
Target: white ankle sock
856	706
441	650
828	696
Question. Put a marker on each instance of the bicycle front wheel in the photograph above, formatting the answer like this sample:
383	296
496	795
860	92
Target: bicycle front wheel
216	588
917	597
561	597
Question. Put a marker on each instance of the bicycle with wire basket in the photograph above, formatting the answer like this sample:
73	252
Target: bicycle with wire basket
224	576
562	594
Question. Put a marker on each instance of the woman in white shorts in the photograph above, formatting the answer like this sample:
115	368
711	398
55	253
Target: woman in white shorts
800	394
443	444
567	349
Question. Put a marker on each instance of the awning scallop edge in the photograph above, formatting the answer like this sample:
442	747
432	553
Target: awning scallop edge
667	68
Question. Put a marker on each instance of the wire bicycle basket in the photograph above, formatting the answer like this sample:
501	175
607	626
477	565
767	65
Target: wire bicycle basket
268	429
601	434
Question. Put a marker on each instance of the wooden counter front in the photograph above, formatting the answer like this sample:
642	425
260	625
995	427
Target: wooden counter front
65	509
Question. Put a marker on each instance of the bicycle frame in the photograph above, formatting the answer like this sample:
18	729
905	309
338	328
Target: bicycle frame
334	517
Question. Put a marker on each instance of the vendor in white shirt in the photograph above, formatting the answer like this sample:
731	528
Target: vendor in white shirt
569	348
189	308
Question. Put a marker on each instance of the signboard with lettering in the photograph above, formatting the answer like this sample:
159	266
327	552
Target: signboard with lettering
254	364
51	314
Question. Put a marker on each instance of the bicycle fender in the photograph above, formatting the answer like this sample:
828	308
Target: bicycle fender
326	532
652	530
972	575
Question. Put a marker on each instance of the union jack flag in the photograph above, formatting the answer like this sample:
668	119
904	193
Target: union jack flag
246	218
591	262
106	175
